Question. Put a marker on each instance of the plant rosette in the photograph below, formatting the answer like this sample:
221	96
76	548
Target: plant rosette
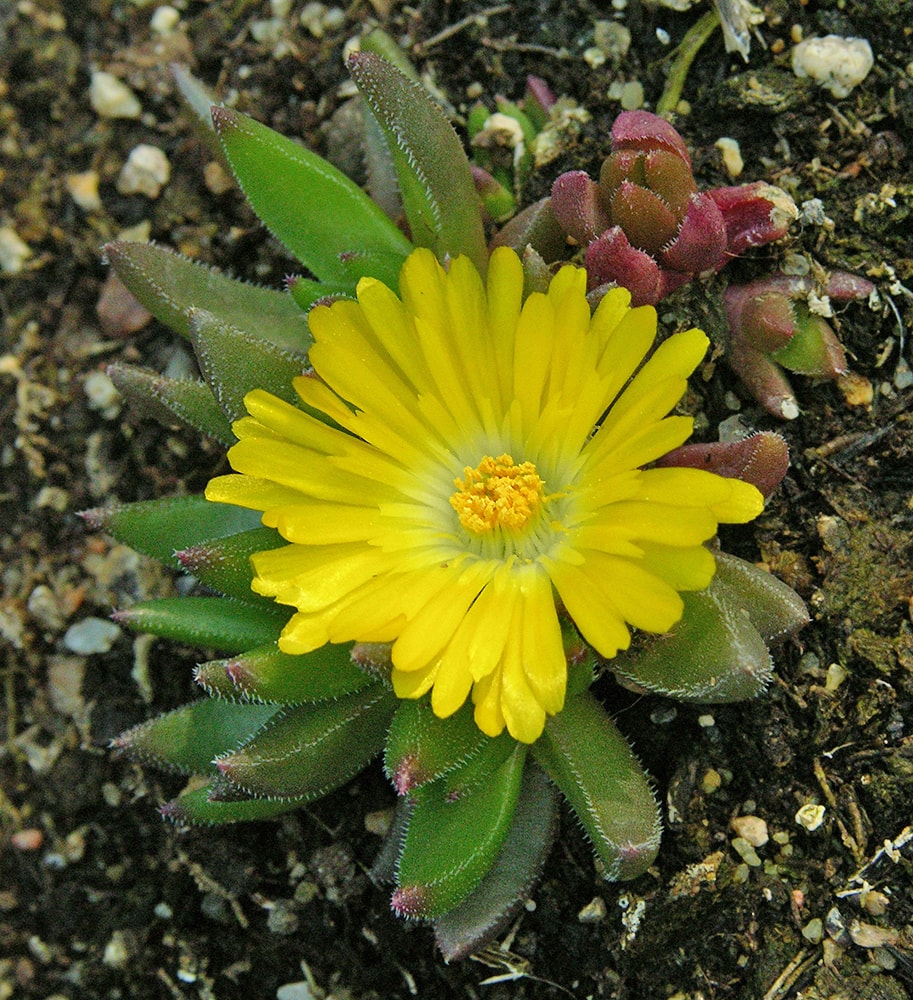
459	492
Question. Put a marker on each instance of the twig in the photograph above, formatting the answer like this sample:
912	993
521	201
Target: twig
479	20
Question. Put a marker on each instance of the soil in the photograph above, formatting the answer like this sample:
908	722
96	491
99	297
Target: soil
101	899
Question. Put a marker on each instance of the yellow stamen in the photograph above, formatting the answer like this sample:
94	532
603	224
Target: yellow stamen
498	494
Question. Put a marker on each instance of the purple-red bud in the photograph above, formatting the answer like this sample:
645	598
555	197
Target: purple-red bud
761	459
578	207
611	259
754	214
645	131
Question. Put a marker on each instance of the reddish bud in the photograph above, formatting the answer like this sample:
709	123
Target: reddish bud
701	241
754	214
611	259
760	459
578	207
646	219
645	131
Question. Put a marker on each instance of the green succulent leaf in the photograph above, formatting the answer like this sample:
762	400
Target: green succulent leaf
713	655
223	564
159	527
203	806
307	293
450	846
460	781
309	750
234	363
188	738
421	747
773	607
324	219
221	623
435	180
170	286
484	913
188	401
589	760
267	674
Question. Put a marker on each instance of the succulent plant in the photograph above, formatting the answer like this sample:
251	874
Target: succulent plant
779	322
644	224
453	499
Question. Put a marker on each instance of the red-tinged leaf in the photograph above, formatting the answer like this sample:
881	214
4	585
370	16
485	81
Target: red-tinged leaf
324	219
754	214
578	207
171	286
642	130
477	921
439	197
645	218
309	750
612	260
700	244
170	400
766	322
760	459
814	348
158	527
188	738
765	380
669	176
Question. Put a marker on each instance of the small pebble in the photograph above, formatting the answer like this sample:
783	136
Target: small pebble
91	635
14	252
813	931
296	991
838	64
751	828
870	936
111	98
102	394
810	816
146	172
746	852
29	839
732	156
594	912
164	20
711	781
83	189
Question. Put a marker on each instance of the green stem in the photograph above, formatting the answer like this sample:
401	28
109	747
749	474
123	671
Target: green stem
689	47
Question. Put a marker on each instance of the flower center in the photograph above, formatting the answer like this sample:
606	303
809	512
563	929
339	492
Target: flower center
498	493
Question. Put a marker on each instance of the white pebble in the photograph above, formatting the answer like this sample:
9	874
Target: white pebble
102	394
751	828
14	252
732	156
83	189
838	64
164	20
146	171
810	816
91	635
111	98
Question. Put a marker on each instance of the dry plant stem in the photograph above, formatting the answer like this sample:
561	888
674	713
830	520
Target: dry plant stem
478	19
856	844
794	970
690	45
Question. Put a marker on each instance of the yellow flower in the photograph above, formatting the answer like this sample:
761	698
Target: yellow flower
463	460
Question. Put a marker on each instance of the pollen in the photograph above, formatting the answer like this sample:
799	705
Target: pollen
498	493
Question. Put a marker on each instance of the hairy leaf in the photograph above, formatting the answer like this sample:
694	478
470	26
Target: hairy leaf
220	622
268	674
158	527
223	564
486	911
439	196
188	401
421	747
311	749
450	846
589	760
324	219
170	286
188	738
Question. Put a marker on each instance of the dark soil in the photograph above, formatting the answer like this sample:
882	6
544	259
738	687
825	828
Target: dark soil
98	897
